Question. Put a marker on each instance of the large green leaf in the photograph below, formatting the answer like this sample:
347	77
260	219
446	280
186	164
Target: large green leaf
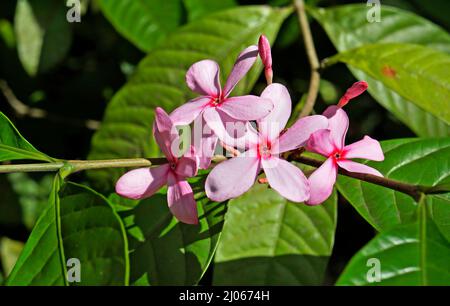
165	251
409	254
199	8
415	161
13	146
126	130
396	26
75	221
419	74
268	240
42	32
144	22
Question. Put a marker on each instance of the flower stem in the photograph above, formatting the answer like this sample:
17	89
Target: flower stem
411	190
312	58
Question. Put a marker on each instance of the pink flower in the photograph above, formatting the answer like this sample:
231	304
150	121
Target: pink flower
266	56
330	143
214	106
144	182
235	176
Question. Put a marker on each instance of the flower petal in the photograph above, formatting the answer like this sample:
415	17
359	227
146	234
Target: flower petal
204	141
338	126
142	183
367	148
286	178
352	166
233	177
166	134
299	133
188	112
181	200
246	107
321	182
203	78
187	166
242	65
320	142
271	125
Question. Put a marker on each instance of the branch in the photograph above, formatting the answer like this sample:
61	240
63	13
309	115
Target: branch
411	190
21	110
312	58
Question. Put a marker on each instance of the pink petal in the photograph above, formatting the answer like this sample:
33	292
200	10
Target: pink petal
231	178
236	131
187	166
321	182
181	200
352	166
142	183
330	111
242	65
338	126
204	141
367	148
299	133
203	78
271	125
186	113
357	89
286	178
320	142
214	121
246	107
166	134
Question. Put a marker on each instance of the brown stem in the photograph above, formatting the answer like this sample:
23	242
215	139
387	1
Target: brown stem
312	58
411	190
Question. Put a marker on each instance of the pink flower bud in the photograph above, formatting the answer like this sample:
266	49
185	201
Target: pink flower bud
266	55
357	89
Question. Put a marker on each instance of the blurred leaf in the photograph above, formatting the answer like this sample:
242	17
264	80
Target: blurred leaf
396	26
75	221
408	255
289	33
418	73
7	33
165	251
200	8
11	214
9	252
329	92
43	34
415	161
32	195
159	80
145	22
13	146
268	240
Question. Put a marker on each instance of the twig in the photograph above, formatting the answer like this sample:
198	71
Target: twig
312	58
22	110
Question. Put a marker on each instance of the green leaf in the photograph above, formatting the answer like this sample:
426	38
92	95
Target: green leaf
268	240
75	221
126	129
408	255
415	161
13	146
199	8
396	26
42	32
9	252
417	73
145	22
165	251
7	33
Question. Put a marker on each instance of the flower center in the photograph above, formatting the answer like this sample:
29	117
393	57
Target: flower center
338	155
264	150
215	101
172	165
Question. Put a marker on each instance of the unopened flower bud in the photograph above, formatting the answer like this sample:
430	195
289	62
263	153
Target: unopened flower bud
266	56
357	89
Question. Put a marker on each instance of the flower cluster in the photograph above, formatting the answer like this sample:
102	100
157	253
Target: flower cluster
252	128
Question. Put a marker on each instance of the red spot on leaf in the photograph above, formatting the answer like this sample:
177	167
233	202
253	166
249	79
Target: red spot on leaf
388	71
